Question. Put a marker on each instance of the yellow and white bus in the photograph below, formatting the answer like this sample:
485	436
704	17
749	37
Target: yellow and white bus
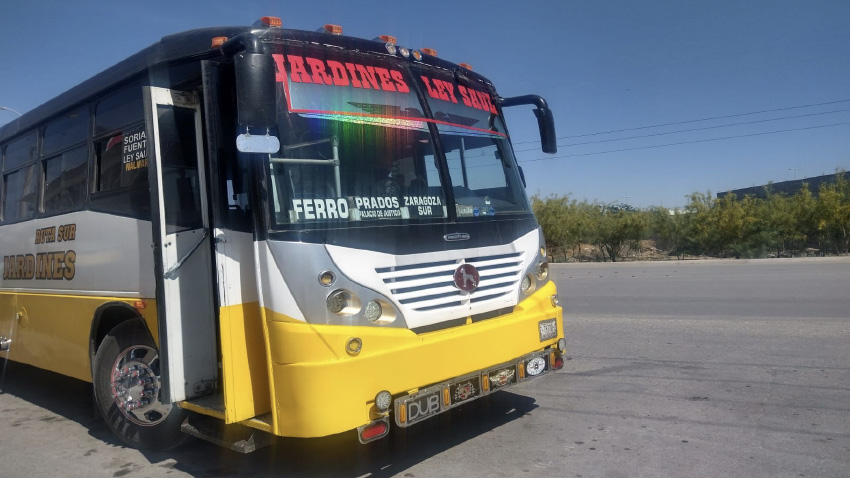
295	232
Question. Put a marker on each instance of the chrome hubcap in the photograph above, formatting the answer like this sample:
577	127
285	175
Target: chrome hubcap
135	386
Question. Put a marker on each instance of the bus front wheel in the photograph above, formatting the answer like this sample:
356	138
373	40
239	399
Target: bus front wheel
127	390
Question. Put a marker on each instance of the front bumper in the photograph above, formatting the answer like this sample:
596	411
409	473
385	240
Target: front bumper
319	389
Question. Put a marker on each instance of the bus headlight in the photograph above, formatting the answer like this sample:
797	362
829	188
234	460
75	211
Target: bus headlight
372	311
542	271
379	312
343	302
528	285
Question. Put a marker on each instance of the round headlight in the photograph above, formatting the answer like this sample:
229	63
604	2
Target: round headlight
343	302
372	311
527	284
383	400
542	270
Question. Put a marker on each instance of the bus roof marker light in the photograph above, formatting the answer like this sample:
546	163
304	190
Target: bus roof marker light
429	51
217	41
417	55
270	22
387	39
465	65
391	49
404	51
331	28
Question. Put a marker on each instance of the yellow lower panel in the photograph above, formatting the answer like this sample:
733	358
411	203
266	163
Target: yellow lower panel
52	331
320	390
245	372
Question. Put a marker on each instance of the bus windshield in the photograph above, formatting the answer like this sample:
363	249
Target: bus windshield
357	148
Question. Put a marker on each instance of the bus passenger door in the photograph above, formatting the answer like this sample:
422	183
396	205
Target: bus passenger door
181	243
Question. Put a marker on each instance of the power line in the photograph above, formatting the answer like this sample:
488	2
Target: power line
693	121
684	142
690	130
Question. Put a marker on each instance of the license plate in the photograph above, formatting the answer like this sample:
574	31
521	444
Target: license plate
463	390
548	329
422	407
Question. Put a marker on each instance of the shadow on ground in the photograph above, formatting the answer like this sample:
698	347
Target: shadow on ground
338	455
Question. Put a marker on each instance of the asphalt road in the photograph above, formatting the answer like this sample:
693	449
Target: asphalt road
691	369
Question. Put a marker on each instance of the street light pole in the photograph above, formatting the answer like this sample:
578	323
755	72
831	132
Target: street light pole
10	109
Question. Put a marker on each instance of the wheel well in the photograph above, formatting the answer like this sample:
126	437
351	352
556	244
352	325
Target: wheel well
106	318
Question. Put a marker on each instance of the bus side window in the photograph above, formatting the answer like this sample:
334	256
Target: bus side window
65	181
120	183
20	181
66	175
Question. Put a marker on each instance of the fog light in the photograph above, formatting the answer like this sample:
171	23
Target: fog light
372	311
404	51
383	400
416	55
390	48
327	278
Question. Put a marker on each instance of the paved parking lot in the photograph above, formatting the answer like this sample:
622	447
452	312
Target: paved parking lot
696	369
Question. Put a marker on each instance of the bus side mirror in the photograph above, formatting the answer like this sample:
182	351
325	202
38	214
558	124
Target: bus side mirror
546	124
545	120
255	90
256	105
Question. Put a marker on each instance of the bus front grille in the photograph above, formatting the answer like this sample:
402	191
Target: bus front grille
430	286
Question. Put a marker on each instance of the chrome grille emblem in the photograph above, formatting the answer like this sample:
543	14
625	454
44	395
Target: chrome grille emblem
466	278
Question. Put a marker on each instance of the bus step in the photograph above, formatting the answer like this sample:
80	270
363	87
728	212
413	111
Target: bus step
236	437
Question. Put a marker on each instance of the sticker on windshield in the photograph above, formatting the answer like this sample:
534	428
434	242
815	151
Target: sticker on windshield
335	208
424	206
377	207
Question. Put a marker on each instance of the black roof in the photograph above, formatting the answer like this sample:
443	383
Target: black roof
185	45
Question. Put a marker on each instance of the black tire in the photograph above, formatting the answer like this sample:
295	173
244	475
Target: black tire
128	354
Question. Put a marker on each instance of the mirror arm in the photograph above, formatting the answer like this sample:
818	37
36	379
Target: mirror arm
535	100
545	121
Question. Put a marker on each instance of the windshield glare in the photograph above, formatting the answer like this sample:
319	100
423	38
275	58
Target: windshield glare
356	147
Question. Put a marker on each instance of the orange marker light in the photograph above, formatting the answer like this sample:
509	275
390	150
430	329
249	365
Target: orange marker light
139	304
217	41
485	382
465	65
429	51
388	39
446	397
271	22
402	413
332	29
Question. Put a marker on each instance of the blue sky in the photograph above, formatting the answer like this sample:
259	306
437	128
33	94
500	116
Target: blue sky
603	66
